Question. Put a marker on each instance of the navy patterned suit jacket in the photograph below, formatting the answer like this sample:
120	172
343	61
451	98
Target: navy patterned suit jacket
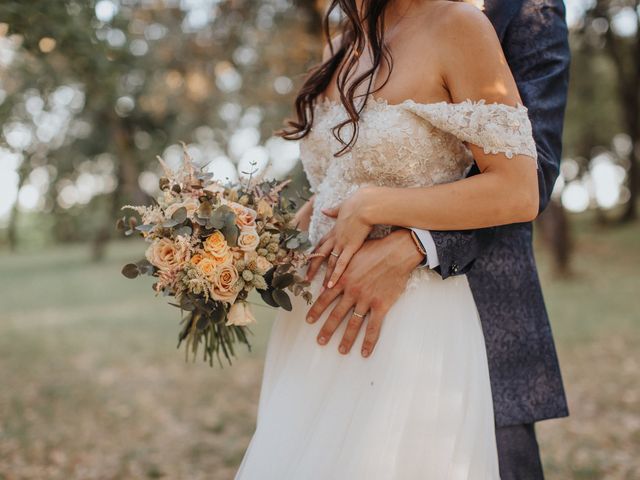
499	262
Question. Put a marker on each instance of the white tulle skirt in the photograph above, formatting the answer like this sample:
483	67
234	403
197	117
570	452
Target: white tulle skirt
418	408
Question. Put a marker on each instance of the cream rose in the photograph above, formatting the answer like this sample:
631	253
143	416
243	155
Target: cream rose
223	285
165	254
216	246
263	265
240	314
248	239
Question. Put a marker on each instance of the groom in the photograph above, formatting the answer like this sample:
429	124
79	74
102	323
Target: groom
499	263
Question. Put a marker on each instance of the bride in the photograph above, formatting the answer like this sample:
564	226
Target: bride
416	401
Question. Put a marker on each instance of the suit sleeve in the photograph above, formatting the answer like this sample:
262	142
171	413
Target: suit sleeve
537	49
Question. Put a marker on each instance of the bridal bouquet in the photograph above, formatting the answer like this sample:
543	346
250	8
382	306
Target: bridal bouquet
213	244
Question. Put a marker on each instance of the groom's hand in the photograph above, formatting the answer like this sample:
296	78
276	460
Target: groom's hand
374	279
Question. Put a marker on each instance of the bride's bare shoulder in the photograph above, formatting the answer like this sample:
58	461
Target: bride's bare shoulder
460	22
454	30
470	55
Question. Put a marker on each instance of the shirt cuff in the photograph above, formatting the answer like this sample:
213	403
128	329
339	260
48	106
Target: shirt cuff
429	246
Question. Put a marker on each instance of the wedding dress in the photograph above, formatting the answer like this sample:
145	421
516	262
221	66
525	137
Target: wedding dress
420	406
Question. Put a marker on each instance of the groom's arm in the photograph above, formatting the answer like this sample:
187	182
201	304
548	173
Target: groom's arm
536	46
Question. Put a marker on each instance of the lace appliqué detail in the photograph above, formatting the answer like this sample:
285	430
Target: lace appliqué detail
404	145
495	127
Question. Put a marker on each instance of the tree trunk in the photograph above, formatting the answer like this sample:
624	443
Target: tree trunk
555	229
628	71
127	191
12	228
631	208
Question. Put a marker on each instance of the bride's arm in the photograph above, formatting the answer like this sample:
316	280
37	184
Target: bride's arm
473	67
506	191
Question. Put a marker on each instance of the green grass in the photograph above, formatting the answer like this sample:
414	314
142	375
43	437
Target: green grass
92	386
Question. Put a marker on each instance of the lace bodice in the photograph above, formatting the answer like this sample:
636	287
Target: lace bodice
405	145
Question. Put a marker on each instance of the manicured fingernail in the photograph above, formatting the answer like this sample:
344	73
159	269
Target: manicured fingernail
365	352
309	319
342	349
322	340
330	285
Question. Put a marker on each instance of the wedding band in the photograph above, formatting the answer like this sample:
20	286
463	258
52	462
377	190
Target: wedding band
357	315
335	254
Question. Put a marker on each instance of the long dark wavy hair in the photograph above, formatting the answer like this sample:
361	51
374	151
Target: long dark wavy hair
355	32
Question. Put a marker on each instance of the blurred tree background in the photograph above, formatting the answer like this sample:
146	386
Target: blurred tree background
92	90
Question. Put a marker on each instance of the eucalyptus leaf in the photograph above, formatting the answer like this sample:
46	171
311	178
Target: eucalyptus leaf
170	223
283	281
180	215
184	230
220	217
144	266
268	276
130	270
267	297
282	299
231	233
293	243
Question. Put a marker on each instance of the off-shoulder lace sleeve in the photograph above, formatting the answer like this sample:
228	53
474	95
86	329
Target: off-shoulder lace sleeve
495	127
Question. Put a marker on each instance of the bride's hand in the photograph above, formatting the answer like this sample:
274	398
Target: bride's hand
348	234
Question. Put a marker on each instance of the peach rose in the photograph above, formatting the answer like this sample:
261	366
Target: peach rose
248	239
240	315
207	266
224	281
246	218
226	258
195	259
216	246
165	254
